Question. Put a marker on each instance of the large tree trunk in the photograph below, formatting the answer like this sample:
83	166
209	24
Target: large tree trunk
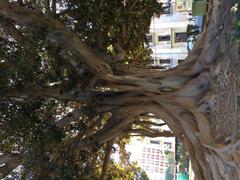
189	98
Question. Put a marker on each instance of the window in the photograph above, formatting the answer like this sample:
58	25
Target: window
164	61
166	8
151	169
164	38
181	37
180	61
167	145
154	142
149	38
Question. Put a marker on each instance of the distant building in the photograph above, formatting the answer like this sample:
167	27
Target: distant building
168	36
150	153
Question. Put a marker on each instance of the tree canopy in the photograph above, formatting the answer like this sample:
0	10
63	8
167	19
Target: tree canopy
74	83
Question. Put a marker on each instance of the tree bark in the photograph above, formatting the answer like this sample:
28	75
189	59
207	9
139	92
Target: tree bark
108	152
55	92
8	162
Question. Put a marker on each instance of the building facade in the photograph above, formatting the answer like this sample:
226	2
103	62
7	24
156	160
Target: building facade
168	36
151	153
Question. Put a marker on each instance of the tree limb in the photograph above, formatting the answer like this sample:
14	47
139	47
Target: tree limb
70	117
133	5
143	132
12	31
120	53
149	123
55	92
20	2
57	33
47	6
108	152
114	127
8	162
63	56
70	61
54	7
83	140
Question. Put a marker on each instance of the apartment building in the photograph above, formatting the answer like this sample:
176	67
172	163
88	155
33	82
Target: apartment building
168	35
151	153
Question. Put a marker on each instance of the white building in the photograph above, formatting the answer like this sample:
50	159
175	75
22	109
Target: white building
167	36
150	154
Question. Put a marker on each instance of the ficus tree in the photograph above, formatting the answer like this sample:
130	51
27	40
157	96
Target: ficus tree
74	83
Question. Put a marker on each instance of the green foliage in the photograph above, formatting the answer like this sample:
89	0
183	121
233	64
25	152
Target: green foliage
129	171
29	128
125	169
170	170
183	159
102	23
26	123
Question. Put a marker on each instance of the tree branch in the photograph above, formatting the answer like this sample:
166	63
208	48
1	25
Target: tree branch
63	56
143	132
108	152
149	123
12	31
71	62
133	5
20	2
8	162
70	117
102	118
84	137
114	127
54	7
55	92
57	33
120	53
47	6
